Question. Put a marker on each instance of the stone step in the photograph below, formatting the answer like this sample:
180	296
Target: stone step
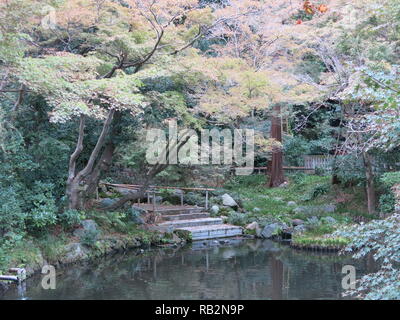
178	224
213	231
185	216
177	211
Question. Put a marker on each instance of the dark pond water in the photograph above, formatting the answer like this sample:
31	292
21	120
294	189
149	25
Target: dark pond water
243	270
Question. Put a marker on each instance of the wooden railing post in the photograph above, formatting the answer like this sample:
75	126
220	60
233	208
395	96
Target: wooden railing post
152	191
154	201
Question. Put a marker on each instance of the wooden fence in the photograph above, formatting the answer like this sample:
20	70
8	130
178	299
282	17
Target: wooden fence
318	161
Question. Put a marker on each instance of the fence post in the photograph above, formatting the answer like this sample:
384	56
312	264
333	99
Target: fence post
206	199
154	201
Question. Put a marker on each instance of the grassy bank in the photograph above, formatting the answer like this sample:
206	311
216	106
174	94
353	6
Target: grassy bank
312	199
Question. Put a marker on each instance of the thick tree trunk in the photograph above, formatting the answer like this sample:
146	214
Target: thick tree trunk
276	171
76	187
370	187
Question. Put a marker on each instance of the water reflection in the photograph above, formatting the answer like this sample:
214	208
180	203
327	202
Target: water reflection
241	270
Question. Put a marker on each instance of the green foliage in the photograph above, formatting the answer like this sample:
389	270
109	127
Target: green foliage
294	148
52	247
70	218
274	203
317	190
302	15
43	210
90	237
321	242
12	218
110	220
387	203
389	179
387	200
237	218
21	254
381	238
350	170
320	228
253	181
68	82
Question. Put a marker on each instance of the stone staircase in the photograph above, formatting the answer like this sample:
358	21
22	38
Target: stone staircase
198	223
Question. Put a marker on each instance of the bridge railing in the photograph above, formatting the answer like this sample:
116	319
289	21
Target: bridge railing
259	170
153	190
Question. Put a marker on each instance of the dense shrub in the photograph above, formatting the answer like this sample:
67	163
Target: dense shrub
387	203
387	200
70	218
42	210
389	179
295	148
12	218
316	191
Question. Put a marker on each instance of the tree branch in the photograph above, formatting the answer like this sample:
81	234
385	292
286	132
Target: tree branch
152	173
190	43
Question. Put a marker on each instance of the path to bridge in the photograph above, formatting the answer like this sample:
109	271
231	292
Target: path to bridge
194	219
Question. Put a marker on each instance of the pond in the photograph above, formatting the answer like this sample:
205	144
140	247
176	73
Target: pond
242	269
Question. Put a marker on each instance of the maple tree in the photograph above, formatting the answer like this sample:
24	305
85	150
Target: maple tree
270	44
93	63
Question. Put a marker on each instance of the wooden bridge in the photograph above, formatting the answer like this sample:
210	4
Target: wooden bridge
193	219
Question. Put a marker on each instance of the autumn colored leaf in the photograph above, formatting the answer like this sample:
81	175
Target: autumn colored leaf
308	7
322	8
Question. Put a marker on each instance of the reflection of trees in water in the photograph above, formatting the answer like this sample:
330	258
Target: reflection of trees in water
309	272
277	278
251	270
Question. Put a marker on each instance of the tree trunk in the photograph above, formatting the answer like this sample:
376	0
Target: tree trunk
76	187
104	164
370	187
276	171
